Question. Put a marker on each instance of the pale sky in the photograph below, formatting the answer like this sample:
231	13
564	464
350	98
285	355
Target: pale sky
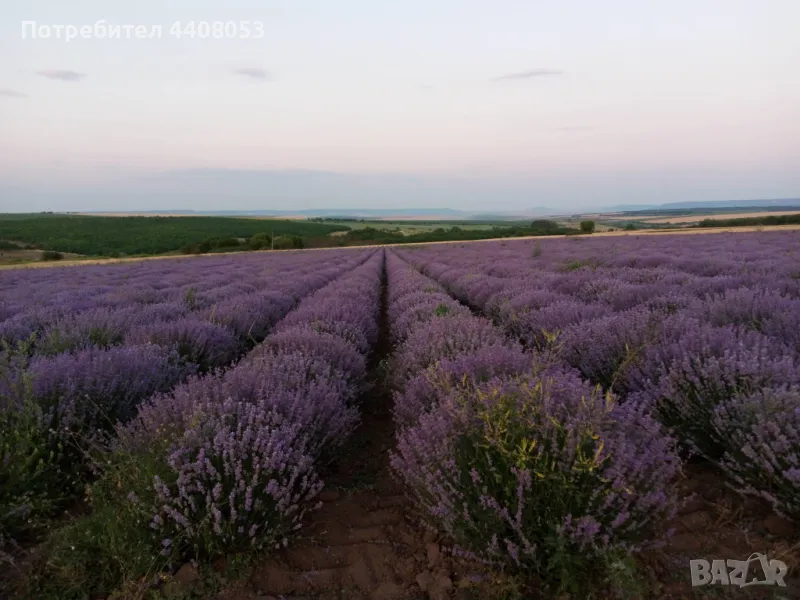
453	103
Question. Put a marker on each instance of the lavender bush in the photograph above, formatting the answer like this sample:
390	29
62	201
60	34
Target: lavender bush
337	351
237	477
27	487
100	328
251	316
539	472
696	367
761	436
420	393
762	310
197	342
603	349
300	388
59	409
91	390
444	337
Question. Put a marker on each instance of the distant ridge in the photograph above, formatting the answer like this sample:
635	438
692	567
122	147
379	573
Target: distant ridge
772	203
312	212
340	213
454	214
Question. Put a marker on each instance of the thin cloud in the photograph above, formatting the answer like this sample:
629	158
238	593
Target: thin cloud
569	128
12	94
253	72
61	74
528	74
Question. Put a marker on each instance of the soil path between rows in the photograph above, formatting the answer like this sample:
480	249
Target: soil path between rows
364	542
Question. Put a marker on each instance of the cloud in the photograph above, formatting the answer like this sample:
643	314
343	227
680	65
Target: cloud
12	94
61	74
528	74
253	72
570	128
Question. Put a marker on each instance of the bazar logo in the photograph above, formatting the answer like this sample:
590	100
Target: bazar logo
756	570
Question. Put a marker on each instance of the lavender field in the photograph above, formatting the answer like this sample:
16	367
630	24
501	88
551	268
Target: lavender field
546	403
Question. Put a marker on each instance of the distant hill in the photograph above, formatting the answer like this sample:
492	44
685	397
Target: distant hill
464	215
778	202
333	212
772	203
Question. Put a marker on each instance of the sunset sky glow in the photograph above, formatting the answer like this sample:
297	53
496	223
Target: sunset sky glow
453	103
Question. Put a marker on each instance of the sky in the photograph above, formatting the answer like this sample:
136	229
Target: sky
463	104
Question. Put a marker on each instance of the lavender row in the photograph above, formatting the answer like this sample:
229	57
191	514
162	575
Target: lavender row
235	452
72	309
90	389
717	261
518	459
144	282
711	363
531	296
59	406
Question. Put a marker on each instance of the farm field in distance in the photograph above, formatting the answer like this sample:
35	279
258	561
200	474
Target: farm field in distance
384	422
49	238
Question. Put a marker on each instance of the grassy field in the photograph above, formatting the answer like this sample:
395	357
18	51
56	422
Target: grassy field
22	256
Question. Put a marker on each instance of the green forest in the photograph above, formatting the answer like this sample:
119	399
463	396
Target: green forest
749	221
132	236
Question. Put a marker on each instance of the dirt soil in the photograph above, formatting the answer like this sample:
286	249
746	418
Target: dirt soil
363	542
717	523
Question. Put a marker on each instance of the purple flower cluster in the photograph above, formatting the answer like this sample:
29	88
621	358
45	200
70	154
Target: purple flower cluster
198	342
240	476
509	466
436	335
760	309
85	394
761	436
697	366
240	445
604	349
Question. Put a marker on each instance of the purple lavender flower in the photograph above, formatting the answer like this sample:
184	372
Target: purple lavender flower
696	367
761	436
198	342
553	458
